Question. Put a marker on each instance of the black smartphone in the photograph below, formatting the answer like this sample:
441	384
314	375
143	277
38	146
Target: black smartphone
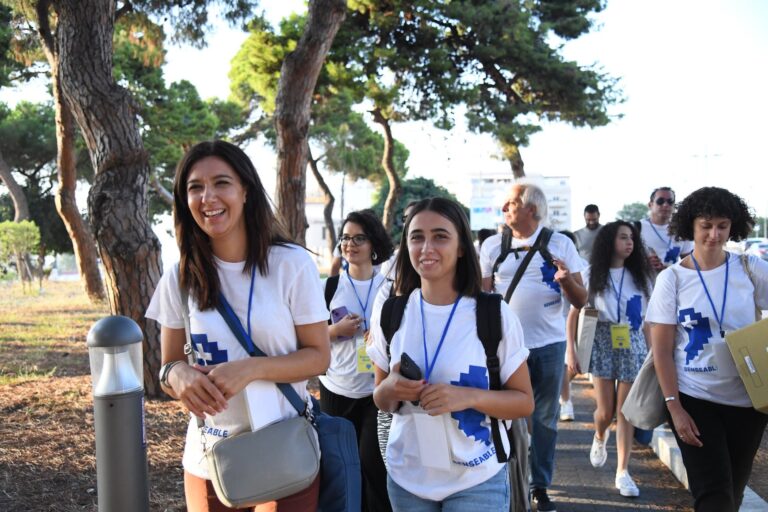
410	370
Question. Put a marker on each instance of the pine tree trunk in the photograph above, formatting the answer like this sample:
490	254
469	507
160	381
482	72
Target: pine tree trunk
387	162
117	202
330	229
83	243
298	77
20	205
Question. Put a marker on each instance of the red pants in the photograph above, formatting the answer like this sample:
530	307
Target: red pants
202	498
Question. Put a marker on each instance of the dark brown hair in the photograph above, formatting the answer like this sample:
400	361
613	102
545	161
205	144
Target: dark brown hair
467	278
197	267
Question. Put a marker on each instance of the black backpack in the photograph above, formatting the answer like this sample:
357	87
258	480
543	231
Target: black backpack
488	321
331	285
540	245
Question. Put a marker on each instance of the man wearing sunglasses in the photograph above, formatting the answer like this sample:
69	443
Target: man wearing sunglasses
662	249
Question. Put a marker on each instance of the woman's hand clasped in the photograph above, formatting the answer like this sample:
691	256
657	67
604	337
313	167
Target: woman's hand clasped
196	390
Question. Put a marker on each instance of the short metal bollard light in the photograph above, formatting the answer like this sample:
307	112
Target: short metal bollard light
114	347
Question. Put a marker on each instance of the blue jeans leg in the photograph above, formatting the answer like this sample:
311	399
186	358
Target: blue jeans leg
489	496
545	365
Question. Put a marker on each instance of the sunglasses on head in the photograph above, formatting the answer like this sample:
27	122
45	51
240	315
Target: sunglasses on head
660	201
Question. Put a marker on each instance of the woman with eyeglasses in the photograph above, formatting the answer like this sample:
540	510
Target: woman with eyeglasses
663	250
347	387
694	305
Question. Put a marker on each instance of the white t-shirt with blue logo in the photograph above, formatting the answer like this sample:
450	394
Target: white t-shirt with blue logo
289	295
705	369
538	299
632	305
656	239
342	376
461	362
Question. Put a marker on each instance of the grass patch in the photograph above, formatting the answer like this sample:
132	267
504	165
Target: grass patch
43	333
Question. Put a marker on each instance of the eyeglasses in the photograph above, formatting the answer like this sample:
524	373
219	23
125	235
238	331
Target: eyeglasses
660	201
356	240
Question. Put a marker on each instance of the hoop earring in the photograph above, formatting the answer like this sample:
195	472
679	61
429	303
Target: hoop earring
374	256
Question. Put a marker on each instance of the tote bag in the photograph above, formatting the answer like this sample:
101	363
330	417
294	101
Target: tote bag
585	336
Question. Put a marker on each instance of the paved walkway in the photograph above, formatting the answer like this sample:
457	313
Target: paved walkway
578	487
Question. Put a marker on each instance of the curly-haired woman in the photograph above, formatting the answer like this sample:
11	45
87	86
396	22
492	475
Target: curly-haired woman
694	305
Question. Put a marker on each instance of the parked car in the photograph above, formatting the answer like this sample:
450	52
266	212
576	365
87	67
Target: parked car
749	242
759	249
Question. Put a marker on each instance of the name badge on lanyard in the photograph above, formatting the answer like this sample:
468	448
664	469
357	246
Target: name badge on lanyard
620	336
619	332
364	363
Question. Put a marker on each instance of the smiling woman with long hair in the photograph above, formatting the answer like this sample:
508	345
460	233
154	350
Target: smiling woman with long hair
230	244
694	305
439	451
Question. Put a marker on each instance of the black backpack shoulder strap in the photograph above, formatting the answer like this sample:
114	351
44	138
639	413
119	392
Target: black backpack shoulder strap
488	319
506	247
391	317
543	241
331	285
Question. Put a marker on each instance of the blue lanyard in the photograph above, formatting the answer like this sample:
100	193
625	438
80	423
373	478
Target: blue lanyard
725	293
668	241
618	293
250	303
368	298
431	367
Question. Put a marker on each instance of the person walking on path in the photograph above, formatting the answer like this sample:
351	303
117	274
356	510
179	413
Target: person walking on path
551	272
661	248
585	237
695	303
230	244
441	453
619	285
347	387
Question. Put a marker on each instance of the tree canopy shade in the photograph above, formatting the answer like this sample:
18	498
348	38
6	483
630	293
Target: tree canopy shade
501	59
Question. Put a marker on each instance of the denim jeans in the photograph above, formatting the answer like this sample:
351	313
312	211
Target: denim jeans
491	496
545	365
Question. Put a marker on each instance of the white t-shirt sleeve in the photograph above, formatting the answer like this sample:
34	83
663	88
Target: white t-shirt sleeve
759	270
662	308
377	349
512	351
165	305
570	255
306	298
489	251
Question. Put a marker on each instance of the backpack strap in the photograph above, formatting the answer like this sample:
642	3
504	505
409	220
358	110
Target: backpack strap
391	317
331	285
488	320
506	246
545	237
536	247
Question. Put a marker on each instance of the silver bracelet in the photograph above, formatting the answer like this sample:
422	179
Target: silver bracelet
165	371
669	398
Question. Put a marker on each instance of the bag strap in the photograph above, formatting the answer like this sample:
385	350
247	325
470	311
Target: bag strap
189	348
391	317
488	320
745	262
544	233
506	247
331	285
234	324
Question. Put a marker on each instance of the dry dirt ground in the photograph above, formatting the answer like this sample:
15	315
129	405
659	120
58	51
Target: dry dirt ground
47	445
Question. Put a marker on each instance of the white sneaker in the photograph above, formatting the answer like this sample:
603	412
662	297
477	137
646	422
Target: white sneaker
626	485
599	452
566	411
